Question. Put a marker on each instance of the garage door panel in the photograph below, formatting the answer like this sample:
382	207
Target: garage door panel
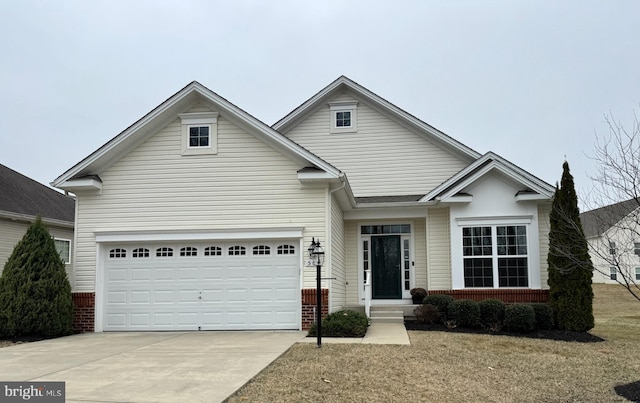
172	292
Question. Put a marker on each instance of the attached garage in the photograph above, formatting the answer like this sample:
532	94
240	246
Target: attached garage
202	285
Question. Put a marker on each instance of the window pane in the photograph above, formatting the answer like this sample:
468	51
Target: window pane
512	272
478	272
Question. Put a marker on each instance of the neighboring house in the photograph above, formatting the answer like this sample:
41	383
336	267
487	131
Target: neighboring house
613	235
199	216
21	201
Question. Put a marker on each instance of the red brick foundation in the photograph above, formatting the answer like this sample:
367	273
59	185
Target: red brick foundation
309	306
507	296
84	304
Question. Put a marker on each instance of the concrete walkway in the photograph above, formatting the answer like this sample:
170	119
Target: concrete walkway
377	333
149	366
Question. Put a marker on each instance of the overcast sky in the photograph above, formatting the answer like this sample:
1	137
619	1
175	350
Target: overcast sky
529	80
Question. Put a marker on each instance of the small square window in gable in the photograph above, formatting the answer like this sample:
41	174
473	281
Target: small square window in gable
344	117
199	133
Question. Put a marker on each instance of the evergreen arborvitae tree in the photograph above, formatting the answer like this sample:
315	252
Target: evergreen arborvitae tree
570	267
35	295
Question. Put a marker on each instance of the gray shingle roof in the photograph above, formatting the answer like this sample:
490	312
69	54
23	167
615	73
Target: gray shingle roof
596	222
389	199
22	195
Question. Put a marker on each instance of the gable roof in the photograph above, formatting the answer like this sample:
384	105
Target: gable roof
597	221
23	198
535	188
382	105
166	112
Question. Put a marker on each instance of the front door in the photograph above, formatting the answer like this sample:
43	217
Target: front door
385	265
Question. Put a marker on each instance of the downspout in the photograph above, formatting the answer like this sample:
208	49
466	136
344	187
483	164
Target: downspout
329	237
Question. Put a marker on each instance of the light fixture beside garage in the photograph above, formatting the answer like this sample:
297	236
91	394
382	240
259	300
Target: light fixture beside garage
316	256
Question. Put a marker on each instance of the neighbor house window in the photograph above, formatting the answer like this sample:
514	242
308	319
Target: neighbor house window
612	248
613	273
636	248
495	256
343	117
637	273
63	246
199	133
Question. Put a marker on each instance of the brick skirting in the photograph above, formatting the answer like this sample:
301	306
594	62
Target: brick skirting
309	306
84	304
507	296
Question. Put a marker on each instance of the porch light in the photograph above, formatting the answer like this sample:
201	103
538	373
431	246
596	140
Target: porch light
316	255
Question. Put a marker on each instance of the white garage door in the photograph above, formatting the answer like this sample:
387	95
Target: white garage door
202	286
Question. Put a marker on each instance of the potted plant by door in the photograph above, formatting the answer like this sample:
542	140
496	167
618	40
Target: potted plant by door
418	294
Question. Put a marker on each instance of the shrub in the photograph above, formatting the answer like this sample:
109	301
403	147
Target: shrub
417	295
427	313
519	318
464	312
544	316
35	295
441	301
343	324
491	313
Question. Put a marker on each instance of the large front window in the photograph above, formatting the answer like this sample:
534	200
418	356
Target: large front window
495	256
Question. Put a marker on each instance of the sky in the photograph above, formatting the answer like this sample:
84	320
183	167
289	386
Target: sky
529	80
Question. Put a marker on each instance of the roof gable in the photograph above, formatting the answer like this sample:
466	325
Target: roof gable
21	196
451	189
598	221
166	112
383	106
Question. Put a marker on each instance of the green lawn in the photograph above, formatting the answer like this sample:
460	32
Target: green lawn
453	367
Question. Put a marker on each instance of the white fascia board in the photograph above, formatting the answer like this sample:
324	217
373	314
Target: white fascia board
74	185
27	218
150	236
530	197
456	199
315	176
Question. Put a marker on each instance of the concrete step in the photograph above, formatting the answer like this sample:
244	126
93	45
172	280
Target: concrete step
386	316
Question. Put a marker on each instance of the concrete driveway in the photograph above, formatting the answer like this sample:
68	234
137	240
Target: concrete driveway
147	367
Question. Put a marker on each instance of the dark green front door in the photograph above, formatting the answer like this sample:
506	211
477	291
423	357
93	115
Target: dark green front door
385	265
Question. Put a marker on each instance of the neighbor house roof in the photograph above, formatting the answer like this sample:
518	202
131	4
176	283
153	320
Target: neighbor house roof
166	112
597	221
24	198
404	118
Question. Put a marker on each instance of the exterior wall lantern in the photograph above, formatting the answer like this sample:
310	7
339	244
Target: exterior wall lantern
316	256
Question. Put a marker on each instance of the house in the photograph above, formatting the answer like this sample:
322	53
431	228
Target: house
22	200
613	235
199	216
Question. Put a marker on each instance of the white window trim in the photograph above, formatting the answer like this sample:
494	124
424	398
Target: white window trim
457	264
200	119
69	242
345	106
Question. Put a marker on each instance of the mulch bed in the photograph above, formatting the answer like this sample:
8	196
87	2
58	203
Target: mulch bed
561	335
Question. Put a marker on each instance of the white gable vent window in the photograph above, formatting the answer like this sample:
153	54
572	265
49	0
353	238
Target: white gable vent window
344	117
199	133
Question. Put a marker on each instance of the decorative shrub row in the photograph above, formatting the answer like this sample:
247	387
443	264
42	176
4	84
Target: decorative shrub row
343	324
491	314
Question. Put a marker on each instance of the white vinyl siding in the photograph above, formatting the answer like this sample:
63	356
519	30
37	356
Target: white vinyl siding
543	233
439	250
155	188
351	233
338	271
11	232
382	158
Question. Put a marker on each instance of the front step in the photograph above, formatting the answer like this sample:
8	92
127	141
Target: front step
386	315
